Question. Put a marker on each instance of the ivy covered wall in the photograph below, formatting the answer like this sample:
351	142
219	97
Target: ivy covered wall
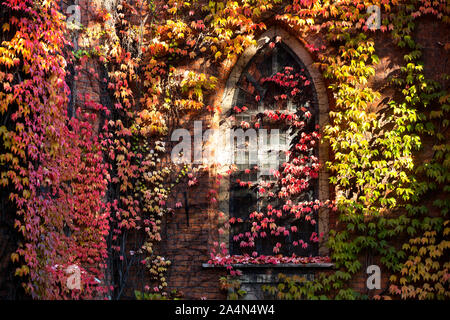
88	108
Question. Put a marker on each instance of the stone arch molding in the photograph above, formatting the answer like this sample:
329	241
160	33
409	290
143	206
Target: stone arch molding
227	103
296	47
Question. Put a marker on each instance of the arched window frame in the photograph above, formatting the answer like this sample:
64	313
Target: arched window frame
227	103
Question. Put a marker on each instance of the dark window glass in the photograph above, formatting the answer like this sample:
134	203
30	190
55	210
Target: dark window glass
257	96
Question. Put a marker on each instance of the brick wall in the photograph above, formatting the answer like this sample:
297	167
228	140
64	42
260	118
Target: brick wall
187	237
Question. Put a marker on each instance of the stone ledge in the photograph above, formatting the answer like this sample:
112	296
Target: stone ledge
281	265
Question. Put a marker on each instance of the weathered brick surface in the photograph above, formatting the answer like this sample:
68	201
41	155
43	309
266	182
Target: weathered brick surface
187	239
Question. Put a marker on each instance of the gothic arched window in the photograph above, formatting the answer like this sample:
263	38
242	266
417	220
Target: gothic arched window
275	95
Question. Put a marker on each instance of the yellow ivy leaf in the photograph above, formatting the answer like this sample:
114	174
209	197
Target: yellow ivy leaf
14	257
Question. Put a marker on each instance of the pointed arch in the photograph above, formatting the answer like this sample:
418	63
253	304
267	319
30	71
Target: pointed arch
229	98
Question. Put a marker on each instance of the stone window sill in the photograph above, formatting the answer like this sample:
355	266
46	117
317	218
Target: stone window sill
281	265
